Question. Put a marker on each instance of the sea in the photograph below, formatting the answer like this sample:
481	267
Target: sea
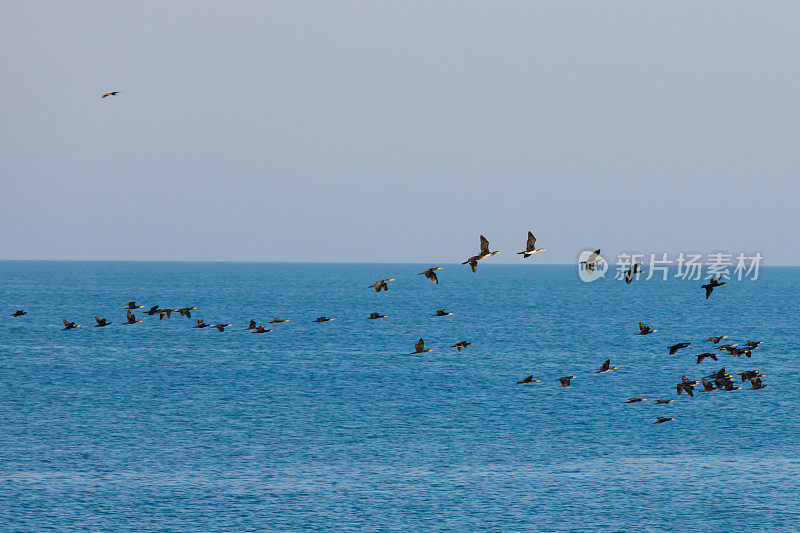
336	426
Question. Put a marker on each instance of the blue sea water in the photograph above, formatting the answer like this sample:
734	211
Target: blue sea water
334	426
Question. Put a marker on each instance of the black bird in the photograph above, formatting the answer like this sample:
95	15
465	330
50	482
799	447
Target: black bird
220	327
260	329
112	93
645	330
186	311
19	312
750	374
688	388
705	355
663	402
635	400
662	419
322	319
709	287
635	268
684	379
101	322
681	345
131	318
753	344
381	285
430	274
251	326
565	380
715	340
606	367
277	320
132	305
201	324
594	258
153	310
441	312
729	386
530	247
165	313
719	374
473	261
756	384
420	347
738	352
462	344
69	325
373	316
726	347
707	385
529	379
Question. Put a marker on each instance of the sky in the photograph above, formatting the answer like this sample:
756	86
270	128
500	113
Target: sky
398	131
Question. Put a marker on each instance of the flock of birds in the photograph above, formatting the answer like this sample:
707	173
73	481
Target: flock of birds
719	380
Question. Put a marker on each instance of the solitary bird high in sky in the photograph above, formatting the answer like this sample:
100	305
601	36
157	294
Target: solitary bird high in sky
112	93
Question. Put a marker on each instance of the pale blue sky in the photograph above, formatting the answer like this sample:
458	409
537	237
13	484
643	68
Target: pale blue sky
376	131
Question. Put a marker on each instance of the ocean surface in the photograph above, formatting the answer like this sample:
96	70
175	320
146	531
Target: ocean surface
332	427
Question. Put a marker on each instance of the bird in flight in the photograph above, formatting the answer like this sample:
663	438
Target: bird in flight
112	93
420	347
19	312
606	367
131	318
709	287
645	330
430	274
381	285
473	261
529	379
462	344
530	247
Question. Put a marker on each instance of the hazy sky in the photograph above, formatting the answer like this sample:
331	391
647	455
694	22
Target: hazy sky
378	131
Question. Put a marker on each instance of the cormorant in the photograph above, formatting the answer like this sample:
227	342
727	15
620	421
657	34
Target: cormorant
373	316
565	380
593	259
322	319
662	419
19	312
186	311
681	345
462	344
112	93
260	329
101	322
709	287
705	355
251	326
635	400
153	310
220	327
645	330
726	347
530	247
750	374
688	388
707	385
420	347
441	312
715	340
132	305
381	285
201	324
165	312
753	344
473	261
756	384
277	320
635	268
131	318
69	325
663	402
606	367
430	274
529	379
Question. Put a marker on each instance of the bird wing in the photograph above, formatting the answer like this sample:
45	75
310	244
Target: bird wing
484	246
130	316
420	345
531	244
65	322
606	364
433	278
